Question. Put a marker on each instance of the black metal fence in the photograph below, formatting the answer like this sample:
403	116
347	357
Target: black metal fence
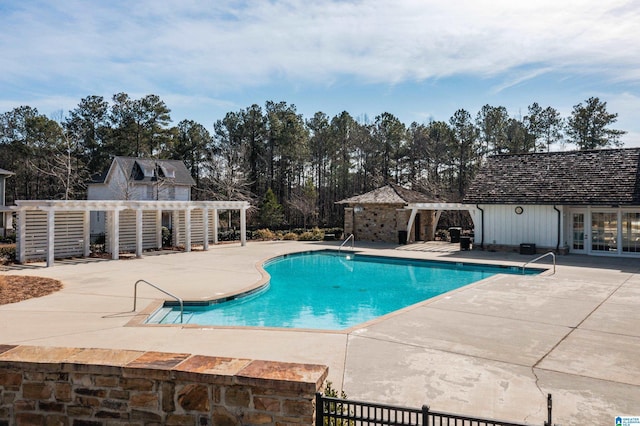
343	412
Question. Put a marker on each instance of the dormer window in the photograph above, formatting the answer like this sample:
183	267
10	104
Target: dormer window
167	171
145	169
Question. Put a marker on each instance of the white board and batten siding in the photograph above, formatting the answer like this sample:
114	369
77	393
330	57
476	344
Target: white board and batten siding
538	224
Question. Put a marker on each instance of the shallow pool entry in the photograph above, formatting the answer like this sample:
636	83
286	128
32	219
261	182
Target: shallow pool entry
334	291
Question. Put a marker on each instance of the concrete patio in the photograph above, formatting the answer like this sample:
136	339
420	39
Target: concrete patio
494	348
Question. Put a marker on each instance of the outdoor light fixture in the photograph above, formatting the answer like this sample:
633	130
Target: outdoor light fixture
519	210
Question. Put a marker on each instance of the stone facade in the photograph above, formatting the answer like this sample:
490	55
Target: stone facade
99	387
382	222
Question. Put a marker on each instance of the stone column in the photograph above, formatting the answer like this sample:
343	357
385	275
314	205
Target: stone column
348	221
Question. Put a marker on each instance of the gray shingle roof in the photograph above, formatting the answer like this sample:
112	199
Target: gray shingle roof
6	172
141	170
599	177
390	194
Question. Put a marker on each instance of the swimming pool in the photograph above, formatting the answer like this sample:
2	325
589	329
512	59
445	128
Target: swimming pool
333	291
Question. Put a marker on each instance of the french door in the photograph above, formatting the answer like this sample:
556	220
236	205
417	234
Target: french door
578	236
605	231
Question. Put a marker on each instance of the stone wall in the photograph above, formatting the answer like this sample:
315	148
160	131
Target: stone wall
377	222
100	387
381	222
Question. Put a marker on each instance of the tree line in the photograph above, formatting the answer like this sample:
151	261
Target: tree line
272	154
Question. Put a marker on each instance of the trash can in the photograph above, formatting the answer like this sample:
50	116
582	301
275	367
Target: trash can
454	234
527	248
402	237
465	242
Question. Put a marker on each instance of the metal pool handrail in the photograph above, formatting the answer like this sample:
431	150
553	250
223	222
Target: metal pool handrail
552	254
135	296
350	237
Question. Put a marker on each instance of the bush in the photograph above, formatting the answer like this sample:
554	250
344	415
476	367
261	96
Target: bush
265	234
290	236
166	237
9	239
314	235
7	254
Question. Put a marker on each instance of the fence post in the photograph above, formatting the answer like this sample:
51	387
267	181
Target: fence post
425	415
549	407
319	410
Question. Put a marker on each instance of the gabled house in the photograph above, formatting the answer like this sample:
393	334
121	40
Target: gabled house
140	179
5	215
579	202
382	215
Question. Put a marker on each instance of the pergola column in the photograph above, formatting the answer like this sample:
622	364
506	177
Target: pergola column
51	236
205	228
22	235
115	234
412	218
215	226
243	226
159	229
138	233
86	233
187	230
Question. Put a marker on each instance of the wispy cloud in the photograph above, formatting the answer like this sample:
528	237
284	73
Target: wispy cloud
222	44
217	55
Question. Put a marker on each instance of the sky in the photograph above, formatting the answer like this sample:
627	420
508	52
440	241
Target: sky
419	60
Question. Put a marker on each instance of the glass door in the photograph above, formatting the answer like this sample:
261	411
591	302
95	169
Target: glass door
577	235
604	232
631	232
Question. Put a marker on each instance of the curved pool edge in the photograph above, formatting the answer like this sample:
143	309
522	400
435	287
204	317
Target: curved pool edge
144	315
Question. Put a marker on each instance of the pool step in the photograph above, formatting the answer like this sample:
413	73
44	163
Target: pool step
168	315
173	317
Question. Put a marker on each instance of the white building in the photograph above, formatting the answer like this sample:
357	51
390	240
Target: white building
579	202
140	179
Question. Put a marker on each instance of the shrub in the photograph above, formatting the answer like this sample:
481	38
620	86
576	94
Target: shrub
313	235
9	239
265	234
7	254
290	236
166	236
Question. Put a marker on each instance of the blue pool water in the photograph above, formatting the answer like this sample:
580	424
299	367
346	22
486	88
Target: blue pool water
333	291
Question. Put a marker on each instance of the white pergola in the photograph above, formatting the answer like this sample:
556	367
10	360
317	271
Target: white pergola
55	228
437	209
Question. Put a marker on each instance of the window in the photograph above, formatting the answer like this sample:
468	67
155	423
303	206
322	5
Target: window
631	232
604	231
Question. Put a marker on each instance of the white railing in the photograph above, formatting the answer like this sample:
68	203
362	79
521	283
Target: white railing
135	296
550	253
350	237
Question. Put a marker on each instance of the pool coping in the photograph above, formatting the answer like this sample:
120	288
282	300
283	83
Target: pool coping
154	306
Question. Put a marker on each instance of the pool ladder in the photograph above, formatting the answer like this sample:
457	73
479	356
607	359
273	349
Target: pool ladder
350	237
550	253
135	296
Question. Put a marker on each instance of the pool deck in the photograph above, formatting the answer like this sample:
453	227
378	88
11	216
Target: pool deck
494	349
